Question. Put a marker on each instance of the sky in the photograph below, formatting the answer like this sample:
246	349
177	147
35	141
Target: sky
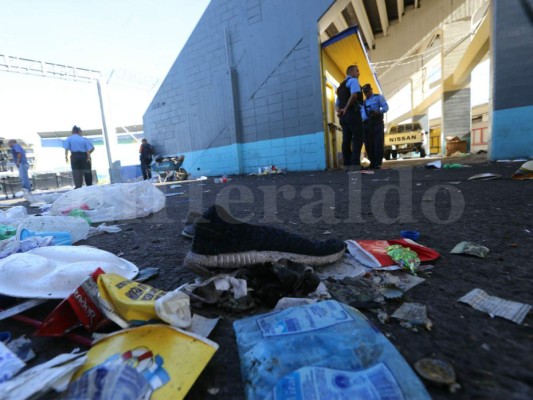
137	40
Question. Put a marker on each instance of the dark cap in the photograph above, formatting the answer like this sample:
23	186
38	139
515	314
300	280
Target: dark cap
76	129
366	87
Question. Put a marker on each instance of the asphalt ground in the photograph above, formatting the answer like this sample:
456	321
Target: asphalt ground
491	356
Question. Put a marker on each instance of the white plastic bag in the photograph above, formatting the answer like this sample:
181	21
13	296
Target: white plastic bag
119	201
13	216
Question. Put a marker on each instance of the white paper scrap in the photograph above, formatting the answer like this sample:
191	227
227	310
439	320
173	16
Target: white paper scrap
41	377
495	306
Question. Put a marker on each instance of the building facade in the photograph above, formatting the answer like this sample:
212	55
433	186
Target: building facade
245	91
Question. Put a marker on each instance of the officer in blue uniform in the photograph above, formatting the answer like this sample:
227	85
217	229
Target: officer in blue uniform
374	107
80	157
348	105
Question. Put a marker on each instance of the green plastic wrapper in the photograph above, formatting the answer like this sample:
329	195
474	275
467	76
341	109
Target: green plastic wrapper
404	257
7	231
80	213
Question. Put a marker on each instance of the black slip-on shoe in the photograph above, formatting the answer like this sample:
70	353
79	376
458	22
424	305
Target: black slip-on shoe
221	241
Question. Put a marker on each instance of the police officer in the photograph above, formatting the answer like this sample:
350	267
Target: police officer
80	157
374	107
348	104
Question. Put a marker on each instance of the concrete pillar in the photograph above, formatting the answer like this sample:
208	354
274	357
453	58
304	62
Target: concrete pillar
512	79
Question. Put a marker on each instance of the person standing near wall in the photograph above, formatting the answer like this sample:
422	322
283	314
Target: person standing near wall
374	106
80	157
20	160
145	154
348	105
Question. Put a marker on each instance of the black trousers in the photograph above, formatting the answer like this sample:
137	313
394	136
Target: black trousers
145	169
374	141
81	168
352	138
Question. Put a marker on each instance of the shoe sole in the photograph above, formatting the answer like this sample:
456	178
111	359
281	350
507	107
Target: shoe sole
187	235
196	261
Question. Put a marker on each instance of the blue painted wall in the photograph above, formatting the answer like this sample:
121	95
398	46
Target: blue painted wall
245	89
295	153
512	55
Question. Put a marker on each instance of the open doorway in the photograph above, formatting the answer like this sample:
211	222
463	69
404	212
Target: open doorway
337	54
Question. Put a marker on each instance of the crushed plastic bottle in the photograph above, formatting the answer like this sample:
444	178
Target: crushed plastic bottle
222	179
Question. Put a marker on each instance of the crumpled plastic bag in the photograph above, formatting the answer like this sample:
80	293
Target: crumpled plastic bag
103	228
13	216
12	245
119	201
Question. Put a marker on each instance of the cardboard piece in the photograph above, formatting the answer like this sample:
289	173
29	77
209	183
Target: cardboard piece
169	358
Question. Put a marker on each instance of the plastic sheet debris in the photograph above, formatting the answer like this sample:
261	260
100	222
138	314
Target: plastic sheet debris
120	201
146	274
168	358
471	249
12	245
80	308
103	228
484	177
21	347
495	306
434	165
17	309
109	382
13	216
10	364
288	302
202	326
524	172
373	253
58	238
345	267
400	281
328	348
359	293
414	314
55	272
76	226
53	374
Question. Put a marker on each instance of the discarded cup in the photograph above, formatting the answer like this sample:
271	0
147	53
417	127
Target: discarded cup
413	235
60	238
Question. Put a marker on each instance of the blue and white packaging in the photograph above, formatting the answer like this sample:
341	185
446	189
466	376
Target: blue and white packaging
321	351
